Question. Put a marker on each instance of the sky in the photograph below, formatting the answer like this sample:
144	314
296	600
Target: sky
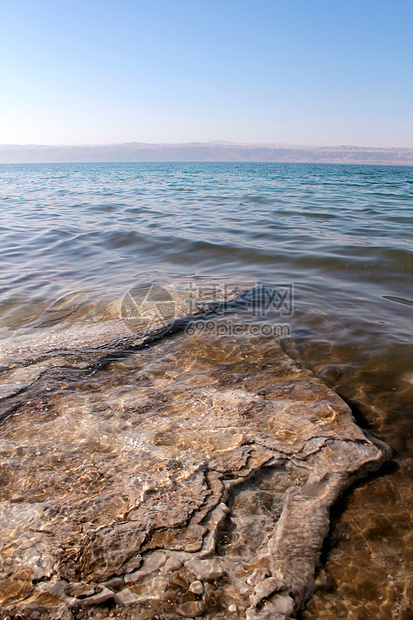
316	72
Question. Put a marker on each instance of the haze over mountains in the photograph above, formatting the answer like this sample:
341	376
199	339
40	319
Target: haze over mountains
205	151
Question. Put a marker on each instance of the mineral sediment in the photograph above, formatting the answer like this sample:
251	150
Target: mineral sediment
192	478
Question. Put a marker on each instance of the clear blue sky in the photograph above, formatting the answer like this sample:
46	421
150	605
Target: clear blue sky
324	72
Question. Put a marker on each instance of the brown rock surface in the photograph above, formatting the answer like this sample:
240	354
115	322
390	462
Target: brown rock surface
195	460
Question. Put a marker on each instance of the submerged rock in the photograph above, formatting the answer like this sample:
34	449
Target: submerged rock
193	478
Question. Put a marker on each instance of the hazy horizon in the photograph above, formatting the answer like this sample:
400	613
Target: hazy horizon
212	151
287	145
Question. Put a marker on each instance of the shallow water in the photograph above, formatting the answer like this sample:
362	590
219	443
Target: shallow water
335	243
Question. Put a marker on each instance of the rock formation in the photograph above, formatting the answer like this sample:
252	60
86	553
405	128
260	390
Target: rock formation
190	478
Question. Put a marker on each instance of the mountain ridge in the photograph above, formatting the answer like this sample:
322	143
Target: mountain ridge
205	151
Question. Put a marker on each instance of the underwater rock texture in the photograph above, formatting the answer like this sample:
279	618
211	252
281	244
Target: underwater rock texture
192	478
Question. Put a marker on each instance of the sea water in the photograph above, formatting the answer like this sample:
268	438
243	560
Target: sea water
328	247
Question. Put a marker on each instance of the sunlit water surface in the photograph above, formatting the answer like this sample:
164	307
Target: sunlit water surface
74	238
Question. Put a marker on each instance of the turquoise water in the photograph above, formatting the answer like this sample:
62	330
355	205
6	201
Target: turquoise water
342	234
79	236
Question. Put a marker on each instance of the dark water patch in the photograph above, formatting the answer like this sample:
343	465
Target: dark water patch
399	300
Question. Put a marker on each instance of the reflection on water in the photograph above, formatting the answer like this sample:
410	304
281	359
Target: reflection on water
75	238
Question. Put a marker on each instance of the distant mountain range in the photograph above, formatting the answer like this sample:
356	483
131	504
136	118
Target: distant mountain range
206	151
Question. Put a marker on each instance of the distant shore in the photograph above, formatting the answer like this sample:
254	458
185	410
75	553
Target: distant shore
205	152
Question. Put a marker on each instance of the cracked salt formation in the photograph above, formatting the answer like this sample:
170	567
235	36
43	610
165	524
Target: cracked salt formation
190	479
